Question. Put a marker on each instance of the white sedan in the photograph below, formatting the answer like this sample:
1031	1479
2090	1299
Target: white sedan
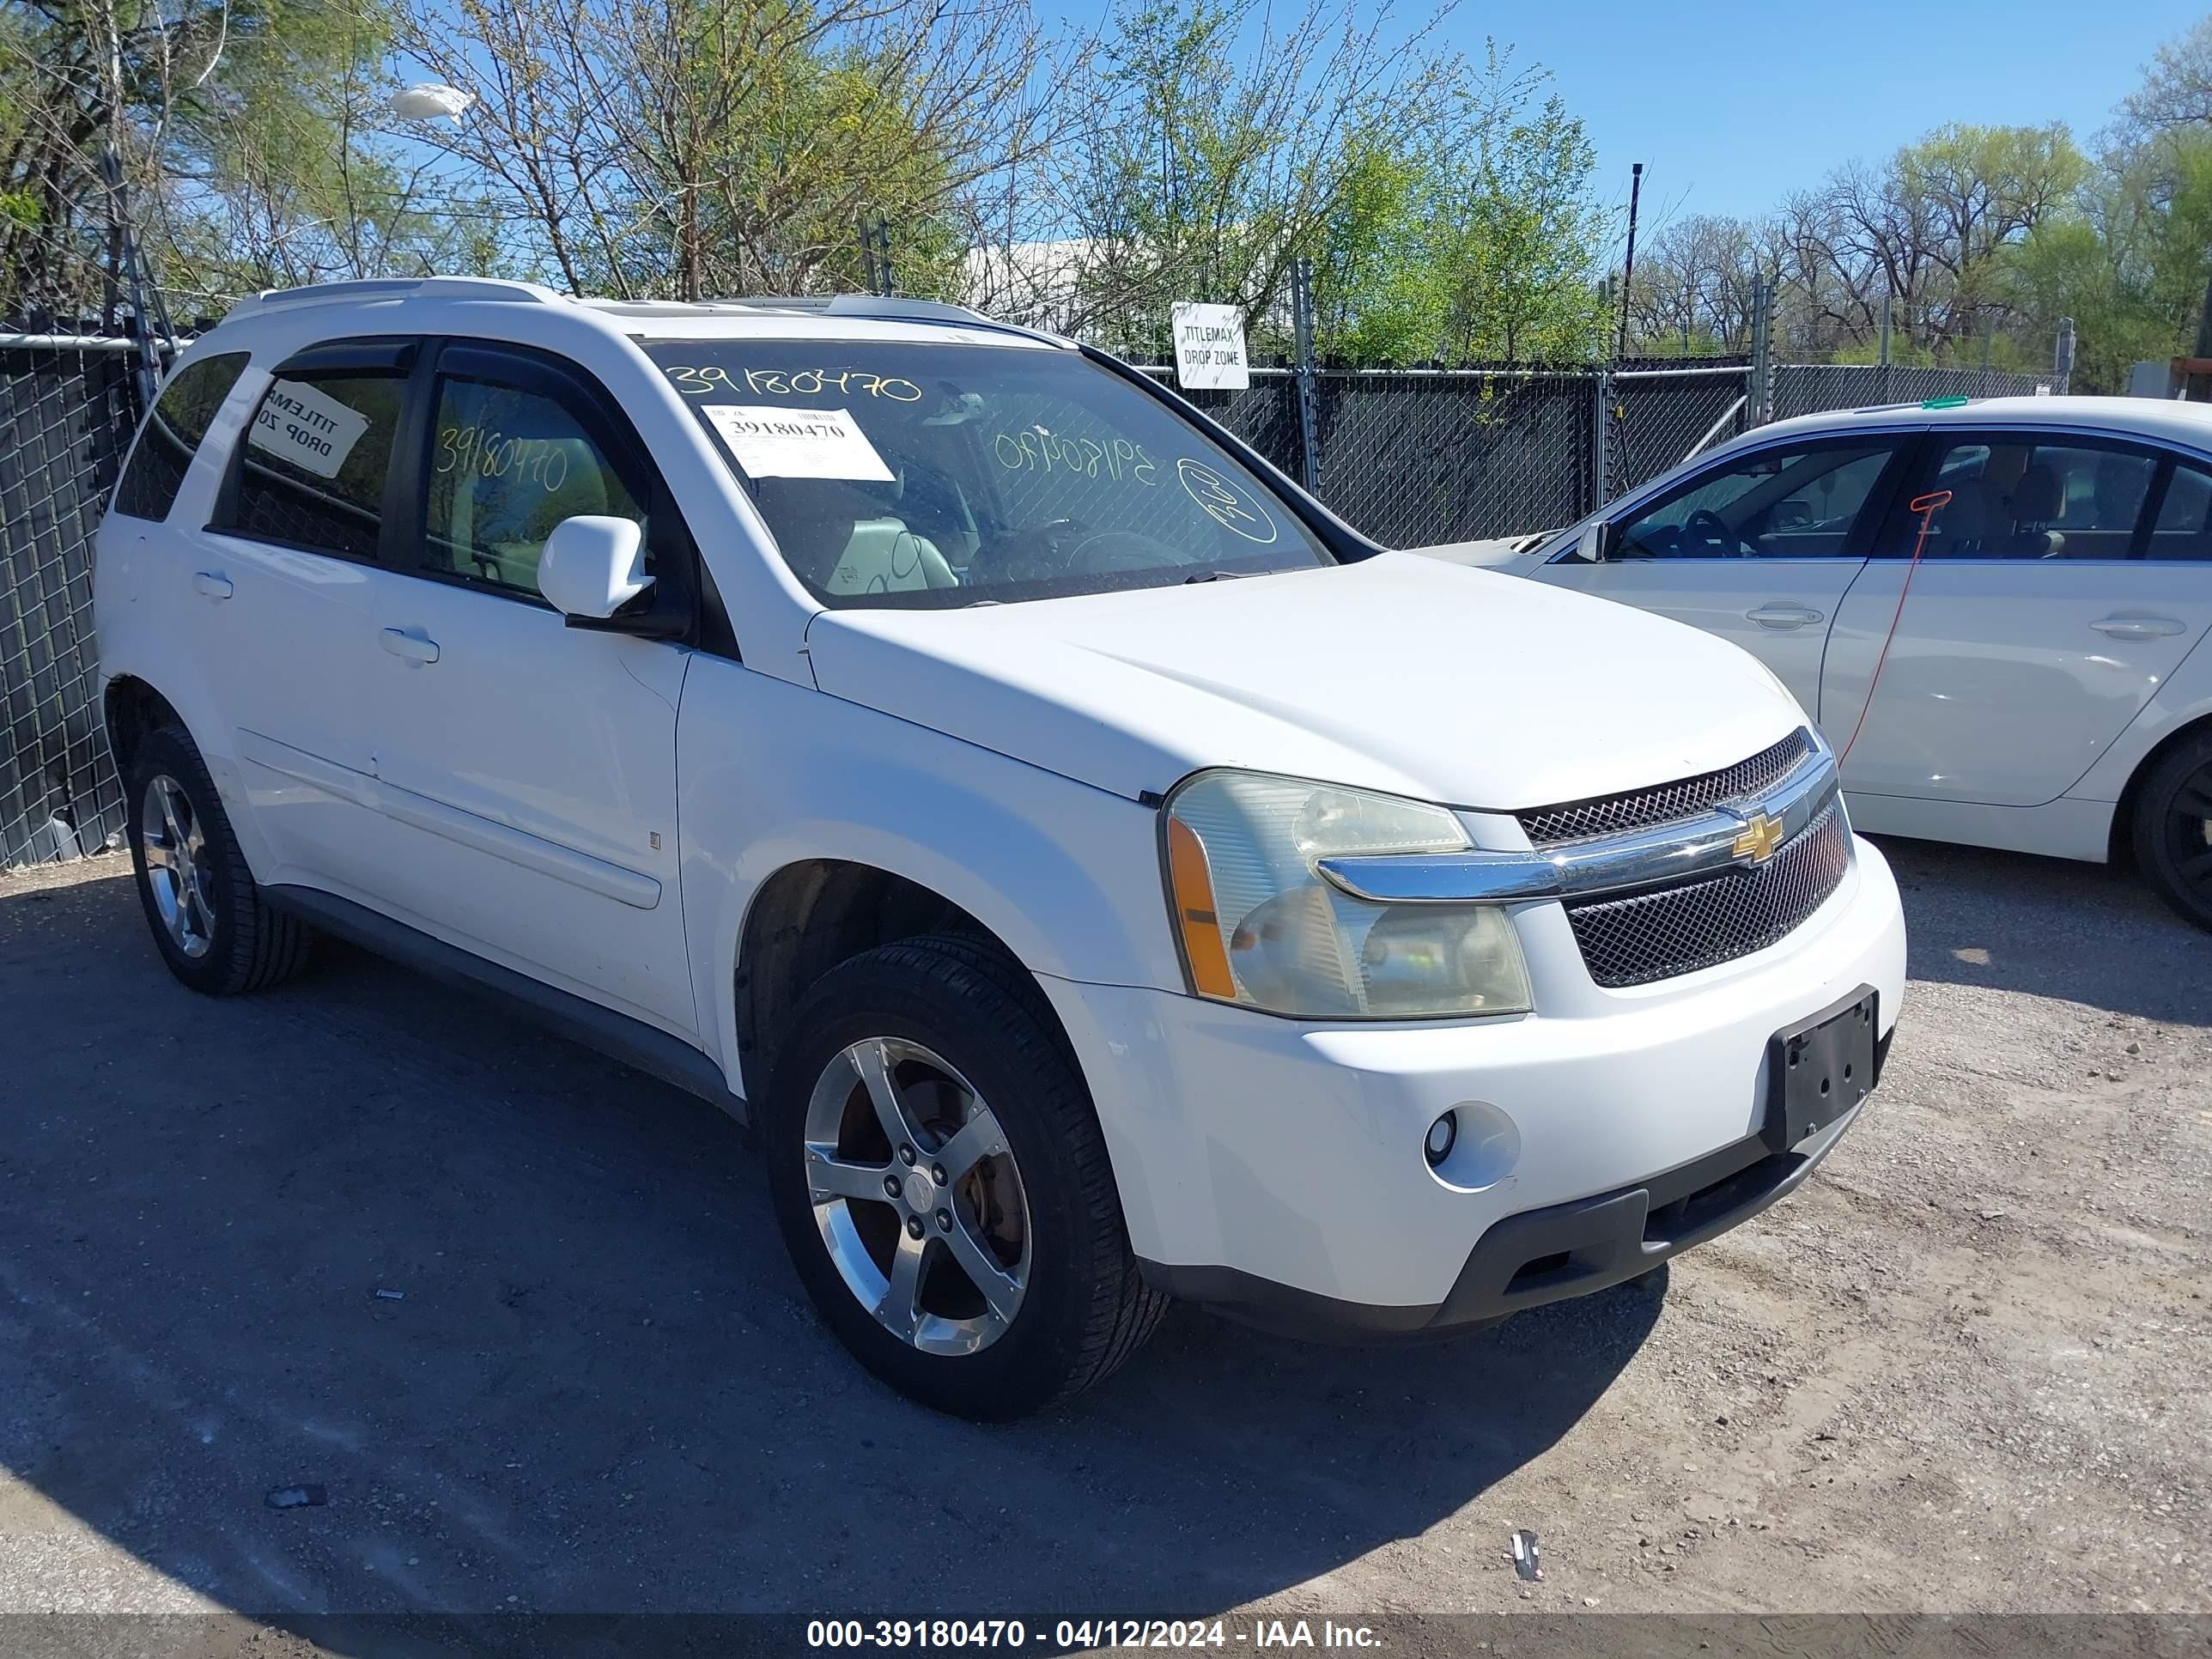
2038	677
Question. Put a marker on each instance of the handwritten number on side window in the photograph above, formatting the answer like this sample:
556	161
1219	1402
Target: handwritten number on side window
489	454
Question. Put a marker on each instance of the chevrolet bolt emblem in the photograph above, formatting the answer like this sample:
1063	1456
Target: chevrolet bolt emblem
1760	837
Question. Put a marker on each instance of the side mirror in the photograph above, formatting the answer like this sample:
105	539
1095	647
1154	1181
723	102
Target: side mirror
592	566
1591	549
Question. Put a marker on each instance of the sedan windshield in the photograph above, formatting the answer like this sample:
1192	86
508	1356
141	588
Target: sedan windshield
940	474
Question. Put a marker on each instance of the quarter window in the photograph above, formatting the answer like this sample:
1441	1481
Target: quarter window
505	465
181	418
2183	529
312	468
1778	504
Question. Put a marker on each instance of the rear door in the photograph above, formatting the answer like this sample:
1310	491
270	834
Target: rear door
1759	548
279	586
2064	580
528	769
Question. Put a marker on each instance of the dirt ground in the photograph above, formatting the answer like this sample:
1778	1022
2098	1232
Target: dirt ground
522	1315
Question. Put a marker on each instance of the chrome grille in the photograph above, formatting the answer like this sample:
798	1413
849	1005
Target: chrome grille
1639	809
1641	936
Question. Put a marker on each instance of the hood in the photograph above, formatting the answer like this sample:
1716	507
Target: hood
1495	553
1399	673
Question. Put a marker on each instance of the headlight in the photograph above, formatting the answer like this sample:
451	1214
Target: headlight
1260	926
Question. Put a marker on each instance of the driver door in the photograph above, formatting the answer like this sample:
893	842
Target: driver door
1759	548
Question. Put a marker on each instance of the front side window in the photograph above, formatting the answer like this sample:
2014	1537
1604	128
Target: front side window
1777	503
929	475
312	468
2014	498
181	418
505	466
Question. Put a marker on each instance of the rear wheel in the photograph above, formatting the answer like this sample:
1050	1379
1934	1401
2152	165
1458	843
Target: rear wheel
943	1187
2173	829
207	916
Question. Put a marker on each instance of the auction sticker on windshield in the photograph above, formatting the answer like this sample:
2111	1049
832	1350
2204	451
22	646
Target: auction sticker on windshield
797	443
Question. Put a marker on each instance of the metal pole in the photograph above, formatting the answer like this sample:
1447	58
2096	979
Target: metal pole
1884	361
1988	338
1303	341
2061	375
1761	392
1628	263
1600	415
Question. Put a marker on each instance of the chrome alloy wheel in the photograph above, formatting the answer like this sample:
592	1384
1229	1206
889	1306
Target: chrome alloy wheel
916	1195
177	865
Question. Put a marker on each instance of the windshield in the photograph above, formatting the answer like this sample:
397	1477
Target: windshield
940	475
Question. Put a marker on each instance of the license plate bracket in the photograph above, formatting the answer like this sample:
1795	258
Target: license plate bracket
1820	1069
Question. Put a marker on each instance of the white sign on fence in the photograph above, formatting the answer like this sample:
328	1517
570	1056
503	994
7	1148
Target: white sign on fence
1209	345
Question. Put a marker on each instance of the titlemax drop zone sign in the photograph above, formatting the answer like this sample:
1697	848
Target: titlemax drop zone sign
1209	345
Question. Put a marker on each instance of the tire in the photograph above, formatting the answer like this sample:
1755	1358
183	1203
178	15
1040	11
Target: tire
2172	829
962	1035
207	918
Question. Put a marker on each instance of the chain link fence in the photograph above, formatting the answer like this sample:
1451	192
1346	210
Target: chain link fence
1411	456
67	410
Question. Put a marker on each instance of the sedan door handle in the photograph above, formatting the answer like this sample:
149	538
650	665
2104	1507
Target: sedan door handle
208	584
2137	628
1786	616
413	647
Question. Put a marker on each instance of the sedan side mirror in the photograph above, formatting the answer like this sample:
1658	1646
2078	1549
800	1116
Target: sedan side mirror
1591	549
592	566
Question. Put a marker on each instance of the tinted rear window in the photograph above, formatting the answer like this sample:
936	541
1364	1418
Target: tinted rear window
174	431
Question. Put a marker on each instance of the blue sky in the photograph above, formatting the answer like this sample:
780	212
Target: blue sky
1731	105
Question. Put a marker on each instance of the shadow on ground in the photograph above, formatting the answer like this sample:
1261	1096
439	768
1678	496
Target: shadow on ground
595	1383
2050	927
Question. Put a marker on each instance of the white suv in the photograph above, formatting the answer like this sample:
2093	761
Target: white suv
1098	873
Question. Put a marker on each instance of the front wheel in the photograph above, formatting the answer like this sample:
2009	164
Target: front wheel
2173	829
207	916
942	1185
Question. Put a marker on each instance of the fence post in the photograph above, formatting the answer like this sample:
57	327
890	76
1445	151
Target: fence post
1882	375
1302	334
1759	408
2062	367
1989	339
1600	420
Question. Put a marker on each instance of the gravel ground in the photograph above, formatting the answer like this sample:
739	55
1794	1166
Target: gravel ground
522	1315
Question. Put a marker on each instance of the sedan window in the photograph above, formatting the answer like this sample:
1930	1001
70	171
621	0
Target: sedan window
2020	499
1777	503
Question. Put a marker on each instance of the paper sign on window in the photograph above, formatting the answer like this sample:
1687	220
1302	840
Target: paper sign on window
797	443
308	427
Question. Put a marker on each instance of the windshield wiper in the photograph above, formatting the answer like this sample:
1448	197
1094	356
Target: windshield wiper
1215	576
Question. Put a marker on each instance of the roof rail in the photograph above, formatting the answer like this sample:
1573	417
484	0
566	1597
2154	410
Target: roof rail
394	288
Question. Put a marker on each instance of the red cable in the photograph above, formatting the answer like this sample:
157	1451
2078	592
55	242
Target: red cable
1927	507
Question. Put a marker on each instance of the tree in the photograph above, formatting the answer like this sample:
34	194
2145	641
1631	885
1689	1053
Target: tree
1214	146
690	148
238	128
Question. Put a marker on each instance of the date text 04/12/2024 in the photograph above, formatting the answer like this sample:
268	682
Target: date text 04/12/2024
1077	1635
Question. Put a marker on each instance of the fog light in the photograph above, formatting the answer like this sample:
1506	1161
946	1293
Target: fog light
1472	1147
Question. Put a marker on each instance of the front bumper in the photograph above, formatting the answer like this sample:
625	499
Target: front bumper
1273	1168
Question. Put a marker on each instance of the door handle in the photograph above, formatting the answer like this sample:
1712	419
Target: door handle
208	584
413	647
2137	628
1786	616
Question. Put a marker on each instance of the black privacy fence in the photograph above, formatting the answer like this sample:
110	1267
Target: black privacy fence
1414	458
67	411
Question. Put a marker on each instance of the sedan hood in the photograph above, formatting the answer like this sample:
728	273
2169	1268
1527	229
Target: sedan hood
1399	673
